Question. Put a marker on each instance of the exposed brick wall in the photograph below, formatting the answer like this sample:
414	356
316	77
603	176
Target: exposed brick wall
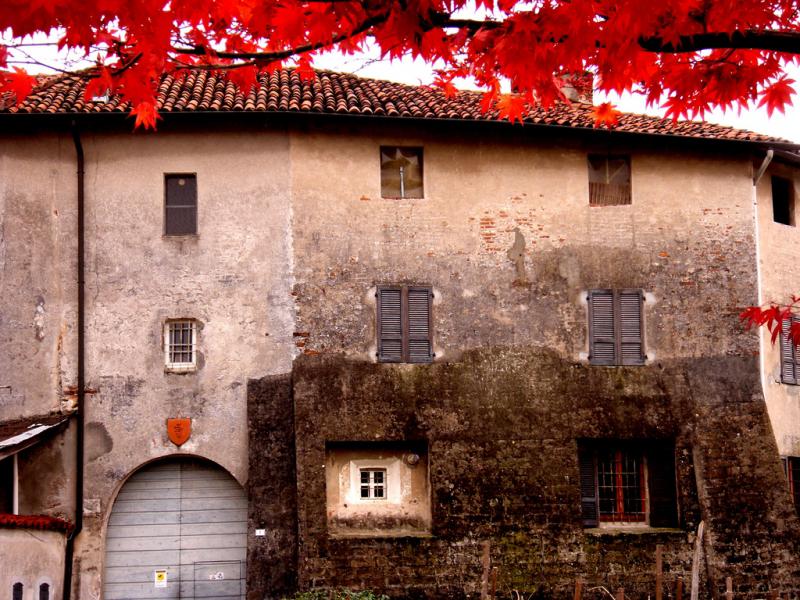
272	559
502	426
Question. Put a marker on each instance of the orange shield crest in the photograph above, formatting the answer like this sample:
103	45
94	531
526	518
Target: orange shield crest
179	430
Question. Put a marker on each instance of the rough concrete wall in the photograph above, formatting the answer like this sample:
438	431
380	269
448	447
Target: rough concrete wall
687	239
779	257
272	487
233	277
502	426
37	274
31	557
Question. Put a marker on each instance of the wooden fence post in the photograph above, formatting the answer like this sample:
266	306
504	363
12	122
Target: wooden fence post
728	588
679	590
621	594
578	589
698	548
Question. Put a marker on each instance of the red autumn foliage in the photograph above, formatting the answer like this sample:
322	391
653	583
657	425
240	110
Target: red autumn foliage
35	522
686	55
777	318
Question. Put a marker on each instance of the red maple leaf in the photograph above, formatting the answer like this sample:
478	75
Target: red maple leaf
146	114
18	83
605	114
778	95
511	107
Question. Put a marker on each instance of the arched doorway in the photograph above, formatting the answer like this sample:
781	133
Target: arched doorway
178	529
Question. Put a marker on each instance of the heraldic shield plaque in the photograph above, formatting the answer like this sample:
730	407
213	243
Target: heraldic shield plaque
179	430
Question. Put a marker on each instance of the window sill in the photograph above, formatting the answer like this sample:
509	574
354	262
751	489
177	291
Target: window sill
373	534
180	236
623	530
180	370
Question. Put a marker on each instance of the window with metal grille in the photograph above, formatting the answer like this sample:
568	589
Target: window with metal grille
16	591
404	324
401	172
373	484
627	483
180	345
790	353
609	180
791	467
180	204
616	331
782	201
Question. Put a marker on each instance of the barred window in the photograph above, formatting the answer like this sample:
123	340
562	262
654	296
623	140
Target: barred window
180	345
628	483
373	484
401	172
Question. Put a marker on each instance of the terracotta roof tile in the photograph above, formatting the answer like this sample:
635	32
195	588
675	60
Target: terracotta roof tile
331	92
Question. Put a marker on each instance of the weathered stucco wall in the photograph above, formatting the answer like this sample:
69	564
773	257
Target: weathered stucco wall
233	277
779	259
38	282
687	239
31	557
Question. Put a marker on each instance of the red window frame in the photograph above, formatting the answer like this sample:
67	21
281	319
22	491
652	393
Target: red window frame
622	486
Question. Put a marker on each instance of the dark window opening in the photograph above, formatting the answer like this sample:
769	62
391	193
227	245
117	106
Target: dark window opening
404	324
401	172
180	204
616	330
627	482
790	353
609	180
791	467
16	591
782	201
44	591
7	485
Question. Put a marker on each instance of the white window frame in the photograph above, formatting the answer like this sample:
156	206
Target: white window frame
180	367
371	485
392	488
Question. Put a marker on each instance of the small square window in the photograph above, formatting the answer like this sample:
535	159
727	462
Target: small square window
180	345
609	180
180	204
373	484
401	172
782	201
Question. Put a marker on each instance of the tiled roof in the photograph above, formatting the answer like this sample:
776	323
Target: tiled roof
330	93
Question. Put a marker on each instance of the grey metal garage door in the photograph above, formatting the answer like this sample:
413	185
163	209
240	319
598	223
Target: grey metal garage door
178	529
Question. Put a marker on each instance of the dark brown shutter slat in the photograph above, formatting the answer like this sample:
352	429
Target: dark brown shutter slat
661	485
788	355
631	339
601	325
588	476
390	330
419	325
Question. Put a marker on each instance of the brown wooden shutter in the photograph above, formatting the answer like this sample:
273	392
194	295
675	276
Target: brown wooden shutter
789	369
631	346
661	485
180	211
602	328
419	325
390	324
588	476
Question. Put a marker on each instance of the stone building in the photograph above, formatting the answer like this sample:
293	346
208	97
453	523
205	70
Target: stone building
349	333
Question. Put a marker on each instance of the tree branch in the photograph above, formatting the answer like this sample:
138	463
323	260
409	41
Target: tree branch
289	52
777	41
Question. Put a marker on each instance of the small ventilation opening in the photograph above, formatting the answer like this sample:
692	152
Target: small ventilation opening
782	201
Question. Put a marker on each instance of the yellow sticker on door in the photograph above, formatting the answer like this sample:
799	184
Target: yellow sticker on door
160	578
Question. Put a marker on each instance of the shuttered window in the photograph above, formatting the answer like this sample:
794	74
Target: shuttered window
790	356
404	324
627	483
609	180
180	204
615	327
